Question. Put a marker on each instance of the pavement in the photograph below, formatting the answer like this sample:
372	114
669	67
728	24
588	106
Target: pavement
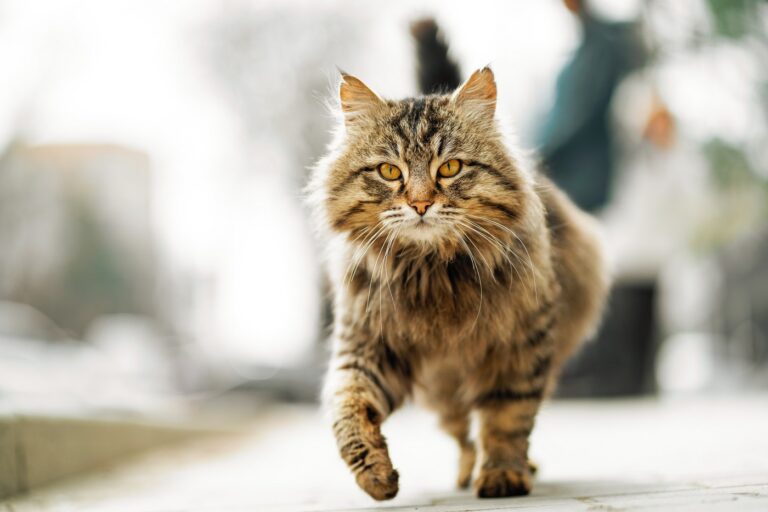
687	453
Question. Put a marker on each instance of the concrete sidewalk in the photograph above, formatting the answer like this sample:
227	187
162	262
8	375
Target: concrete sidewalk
683	454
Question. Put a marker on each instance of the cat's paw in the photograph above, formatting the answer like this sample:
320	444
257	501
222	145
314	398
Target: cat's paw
502	482
379	479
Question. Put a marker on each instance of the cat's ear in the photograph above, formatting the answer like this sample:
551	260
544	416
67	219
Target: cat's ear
478	93
356	98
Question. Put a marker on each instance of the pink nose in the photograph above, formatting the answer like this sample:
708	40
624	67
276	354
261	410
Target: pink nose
420	206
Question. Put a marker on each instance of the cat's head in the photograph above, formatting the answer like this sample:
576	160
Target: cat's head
427	171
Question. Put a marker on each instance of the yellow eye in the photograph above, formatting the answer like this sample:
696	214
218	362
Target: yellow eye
389	172
450	168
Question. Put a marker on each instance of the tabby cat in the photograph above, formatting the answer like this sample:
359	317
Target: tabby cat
461	278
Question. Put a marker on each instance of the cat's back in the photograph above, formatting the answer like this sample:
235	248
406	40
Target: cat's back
579	263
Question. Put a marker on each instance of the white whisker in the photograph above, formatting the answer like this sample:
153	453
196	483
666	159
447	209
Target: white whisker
525	248
374	273
477	274
361	251
386	256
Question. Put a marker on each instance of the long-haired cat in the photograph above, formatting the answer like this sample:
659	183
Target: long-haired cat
461	278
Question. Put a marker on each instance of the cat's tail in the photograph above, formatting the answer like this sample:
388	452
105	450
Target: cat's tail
436	71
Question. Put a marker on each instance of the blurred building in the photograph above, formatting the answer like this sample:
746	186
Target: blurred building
76	238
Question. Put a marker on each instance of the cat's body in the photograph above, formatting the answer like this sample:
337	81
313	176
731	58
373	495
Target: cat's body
466	289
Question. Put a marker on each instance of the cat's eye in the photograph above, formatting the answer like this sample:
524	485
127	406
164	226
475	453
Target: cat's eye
390	172
450	168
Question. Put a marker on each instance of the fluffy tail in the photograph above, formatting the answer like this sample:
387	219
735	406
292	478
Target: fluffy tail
437	73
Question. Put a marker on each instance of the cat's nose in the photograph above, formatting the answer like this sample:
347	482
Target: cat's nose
420	206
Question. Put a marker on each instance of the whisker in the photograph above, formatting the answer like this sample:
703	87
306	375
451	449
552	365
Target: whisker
392	213
503	248
374	272
354	260
361	252
525	248
477	273
389	283
481	255
530	262
483	233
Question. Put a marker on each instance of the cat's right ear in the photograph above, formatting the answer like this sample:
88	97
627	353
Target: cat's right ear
356	98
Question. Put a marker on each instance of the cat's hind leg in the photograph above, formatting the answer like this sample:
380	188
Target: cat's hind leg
457	424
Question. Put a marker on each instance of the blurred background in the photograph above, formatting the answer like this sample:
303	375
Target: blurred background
156	256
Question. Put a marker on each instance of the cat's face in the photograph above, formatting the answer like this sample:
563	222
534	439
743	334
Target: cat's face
426	171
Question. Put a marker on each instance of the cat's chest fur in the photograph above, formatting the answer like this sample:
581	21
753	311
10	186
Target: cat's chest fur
435	306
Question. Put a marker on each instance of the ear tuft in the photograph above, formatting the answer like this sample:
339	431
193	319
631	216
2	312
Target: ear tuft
355	96
478	92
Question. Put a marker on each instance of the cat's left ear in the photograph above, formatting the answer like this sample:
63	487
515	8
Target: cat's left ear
478	94
356	98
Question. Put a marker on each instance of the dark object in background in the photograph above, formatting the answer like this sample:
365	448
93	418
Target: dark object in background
621	360
577	149
576	139
436	71
741	316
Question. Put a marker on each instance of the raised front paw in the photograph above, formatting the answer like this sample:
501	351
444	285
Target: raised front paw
502	482
377	477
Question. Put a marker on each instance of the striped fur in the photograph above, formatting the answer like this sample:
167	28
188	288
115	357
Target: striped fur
473	310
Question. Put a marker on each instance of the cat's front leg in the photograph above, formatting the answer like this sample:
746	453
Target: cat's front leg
361	393
507	410
506	420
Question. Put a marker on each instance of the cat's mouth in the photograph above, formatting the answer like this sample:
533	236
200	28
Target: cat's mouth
422	223
423	229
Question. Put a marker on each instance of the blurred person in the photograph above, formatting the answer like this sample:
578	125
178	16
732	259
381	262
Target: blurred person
577	141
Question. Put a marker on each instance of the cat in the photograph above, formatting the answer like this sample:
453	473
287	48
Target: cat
461	278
